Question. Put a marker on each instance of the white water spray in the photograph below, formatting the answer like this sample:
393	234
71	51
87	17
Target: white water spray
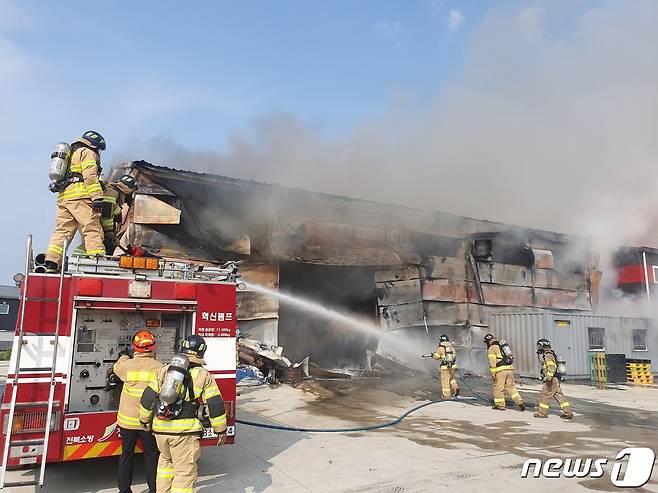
398	347
317	308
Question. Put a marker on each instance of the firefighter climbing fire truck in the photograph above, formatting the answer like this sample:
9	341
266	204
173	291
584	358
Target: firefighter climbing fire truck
61	396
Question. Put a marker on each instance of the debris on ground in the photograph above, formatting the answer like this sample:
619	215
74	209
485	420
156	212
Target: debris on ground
316	371
386	365
271	363
249	376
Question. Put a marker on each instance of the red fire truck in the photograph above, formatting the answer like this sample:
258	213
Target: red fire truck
61	396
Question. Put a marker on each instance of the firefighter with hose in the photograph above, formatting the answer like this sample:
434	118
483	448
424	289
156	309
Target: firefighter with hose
446	355
174	404
552	371
136	373
501	366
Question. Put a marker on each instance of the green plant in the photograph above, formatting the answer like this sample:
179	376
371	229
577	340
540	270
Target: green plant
5	355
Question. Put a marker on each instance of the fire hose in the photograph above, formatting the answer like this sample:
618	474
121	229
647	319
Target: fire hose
339	430
357	428
362	428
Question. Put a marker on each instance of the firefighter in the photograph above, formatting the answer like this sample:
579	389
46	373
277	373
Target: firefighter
136	373
501	366
447	357
115	195
178	438
80	202
551	378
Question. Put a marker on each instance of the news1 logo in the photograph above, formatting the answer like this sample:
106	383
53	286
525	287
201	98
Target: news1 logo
638	462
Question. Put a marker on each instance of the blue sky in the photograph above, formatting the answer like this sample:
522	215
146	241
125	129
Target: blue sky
137	70
435	84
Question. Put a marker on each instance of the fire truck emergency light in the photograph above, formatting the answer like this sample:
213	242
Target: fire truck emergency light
90	287
185	292
145	263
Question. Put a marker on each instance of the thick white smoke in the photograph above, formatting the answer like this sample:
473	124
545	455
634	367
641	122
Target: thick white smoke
552	121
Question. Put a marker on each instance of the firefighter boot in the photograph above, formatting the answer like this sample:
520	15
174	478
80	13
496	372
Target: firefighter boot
566	415
539	414
522	407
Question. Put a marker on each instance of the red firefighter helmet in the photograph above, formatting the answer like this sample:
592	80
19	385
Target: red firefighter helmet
143	341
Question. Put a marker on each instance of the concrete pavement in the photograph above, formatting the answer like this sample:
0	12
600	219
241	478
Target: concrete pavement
457	445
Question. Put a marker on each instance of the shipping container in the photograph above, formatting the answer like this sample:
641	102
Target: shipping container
573	337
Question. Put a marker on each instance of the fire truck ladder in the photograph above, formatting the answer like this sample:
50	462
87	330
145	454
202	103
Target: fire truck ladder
38	442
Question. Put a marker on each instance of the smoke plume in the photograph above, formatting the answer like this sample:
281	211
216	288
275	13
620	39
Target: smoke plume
551	122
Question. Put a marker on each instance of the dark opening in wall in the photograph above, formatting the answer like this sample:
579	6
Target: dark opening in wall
349	290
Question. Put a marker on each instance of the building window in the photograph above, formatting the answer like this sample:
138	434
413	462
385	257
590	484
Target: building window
596	339
639	339
655	274
4	309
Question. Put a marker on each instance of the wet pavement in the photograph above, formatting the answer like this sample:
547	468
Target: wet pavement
461	444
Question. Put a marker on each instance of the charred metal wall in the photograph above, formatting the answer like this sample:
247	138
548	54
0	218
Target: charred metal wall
407	269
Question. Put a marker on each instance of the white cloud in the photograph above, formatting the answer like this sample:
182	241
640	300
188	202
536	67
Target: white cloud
388	29
455	21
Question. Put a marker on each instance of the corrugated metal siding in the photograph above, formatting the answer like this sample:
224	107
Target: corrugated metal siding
522	330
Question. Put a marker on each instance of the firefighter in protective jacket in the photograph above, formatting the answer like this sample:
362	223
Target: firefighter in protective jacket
551	379
115	195
502	374
80	202
136	373
178	438
447	357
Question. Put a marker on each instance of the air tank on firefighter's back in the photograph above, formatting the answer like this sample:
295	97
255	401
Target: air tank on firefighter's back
59	164
173	380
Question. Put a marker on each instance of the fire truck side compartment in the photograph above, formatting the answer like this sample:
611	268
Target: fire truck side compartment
100	336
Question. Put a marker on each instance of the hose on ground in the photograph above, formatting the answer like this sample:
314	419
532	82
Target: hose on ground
478	396
338	430
357	428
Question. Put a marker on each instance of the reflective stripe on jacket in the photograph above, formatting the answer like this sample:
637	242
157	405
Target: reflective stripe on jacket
114	197
136	373
85	162
205	392
495	357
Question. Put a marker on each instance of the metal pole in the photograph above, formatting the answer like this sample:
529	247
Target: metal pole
646	278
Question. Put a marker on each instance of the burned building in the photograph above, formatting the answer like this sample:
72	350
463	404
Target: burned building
412	273
637	271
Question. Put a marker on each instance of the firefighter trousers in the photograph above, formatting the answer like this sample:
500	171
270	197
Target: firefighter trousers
177	466
128	443
448	382
71	215
553	389
504	381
